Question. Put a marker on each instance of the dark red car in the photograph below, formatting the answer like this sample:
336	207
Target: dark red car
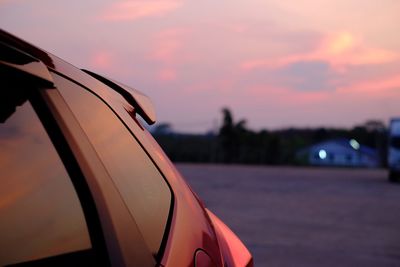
82	181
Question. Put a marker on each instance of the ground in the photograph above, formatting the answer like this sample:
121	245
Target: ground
305	216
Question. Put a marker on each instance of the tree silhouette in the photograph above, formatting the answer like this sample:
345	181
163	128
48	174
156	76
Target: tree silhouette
232	137
235	143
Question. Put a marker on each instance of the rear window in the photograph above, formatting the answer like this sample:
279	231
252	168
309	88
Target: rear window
41	219
143	188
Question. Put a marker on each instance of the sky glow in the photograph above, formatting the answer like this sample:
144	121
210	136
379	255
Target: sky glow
275	63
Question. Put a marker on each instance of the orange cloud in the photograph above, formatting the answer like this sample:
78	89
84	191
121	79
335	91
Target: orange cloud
340	50
339	43
137	9
344	49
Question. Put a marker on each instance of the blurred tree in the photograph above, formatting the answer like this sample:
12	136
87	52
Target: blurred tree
235	143
234	139
320	135
375	126
227	136
379	131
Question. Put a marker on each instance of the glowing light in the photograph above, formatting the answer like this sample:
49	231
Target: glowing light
322	154
354	144
340	43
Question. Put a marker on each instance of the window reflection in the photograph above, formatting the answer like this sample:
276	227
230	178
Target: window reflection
40	214
142	187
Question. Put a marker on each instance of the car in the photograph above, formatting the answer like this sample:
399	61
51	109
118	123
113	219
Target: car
83	183
393	151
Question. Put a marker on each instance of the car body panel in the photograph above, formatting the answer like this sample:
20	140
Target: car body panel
120	230
190	228
233	250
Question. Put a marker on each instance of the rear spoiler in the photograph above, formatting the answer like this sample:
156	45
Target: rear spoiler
142	103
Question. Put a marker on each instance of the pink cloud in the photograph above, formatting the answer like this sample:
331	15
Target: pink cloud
167	46
383	87
129	10
102	59
368	91
166	50
340	50
167	75
221	87
372	98
343	107
282	96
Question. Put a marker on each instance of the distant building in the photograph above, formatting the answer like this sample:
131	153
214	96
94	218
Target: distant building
340	152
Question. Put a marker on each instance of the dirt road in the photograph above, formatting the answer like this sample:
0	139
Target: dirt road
305	216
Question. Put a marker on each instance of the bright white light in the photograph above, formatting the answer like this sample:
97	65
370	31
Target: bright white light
322	154
354	144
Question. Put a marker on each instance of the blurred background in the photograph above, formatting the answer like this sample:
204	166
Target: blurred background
284	106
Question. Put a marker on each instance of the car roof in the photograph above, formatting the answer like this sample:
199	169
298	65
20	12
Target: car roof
139	101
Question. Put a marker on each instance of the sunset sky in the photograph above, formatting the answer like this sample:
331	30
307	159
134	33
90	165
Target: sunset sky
275	63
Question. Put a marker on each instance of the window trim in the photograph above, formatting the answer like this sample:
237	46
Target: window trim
164	241
125	247
75	174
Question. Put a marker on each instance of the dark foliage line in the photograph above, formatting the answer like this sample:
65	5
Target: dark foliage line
235	143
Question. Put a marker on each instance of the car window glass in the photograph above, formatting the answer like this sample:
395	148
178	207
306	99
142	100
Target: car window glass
141	185
40	214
